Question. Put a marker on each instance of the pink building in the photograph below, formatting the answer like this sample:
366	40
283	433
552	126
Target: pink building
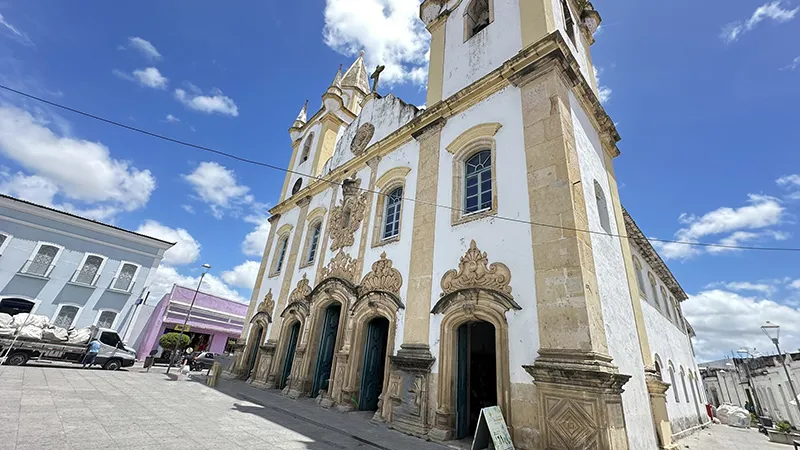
213	324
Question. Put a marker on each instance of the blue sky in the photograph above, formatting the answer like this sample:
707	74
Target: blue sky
704	95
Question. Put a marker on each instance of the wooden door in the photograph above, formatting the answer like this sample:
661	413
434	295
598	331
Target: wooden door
374	362
327	344
294	332
462	381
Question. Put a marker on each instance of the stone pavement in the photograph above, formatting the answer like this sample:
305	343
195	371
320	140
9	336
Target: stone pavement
56	407
723	437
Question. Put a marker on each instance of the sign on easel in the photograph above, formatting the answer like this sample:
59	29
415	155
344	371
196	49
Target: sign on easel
492	428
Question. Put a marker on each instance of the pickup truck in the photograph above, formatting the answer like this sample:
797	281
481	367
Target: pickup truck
113	353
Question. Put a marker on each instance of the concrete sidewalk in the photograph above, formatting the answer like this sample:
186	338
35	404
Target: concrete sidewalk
355	425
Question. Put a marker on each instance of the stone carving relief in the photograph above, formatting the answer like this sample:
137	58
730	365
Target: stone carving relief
474	271
301	292
348	215
267	305
383	277
362	138
572	423
341	266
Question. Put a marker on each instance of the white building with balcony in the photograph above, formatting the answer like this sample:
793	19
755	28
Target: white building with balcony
75	271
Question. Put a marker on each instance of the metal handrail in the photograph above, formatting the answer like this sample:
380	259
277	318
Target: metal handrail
74	279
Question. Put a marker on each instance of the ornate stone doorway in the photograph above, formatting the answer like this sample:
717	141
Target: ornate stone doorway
253	356
327	347
374	364
294	333
476	372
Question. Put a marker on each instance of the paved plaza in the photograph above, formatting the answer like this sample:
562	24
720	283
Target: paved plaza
55	407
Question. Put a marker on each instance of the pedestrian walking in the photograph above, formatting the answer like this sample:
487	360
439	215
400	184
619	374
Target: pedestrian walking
91	353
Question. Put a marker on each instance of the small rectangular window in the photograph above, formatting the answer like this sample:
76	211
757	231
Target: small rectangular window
281	253
109	338
312	245
391	225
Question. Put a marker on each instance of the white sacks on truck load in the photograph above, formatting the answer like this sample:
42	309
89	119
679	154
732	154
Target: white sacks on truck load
31	326
733	416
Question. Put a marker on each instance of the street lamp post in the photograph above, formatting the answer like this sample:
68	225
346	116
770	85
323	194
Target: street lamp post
773	332
750	380
725	384
189	313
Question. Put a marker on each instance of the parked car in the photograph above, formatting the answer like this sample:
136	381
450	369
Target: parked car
201	360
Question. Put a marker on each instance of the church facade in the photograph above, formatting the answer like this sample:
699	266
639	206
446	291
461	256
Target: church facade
424	264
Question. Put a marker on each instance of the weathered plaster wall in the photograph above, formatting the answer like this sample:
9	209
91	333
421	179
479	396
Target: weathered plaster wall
466	62
506	242
623	341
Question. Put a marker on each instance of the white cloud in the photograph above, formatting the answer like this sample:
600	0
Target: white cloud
215	102
738	286
150	77
188	208
218	188
15	32
256	240
172	119
795	284
789	180
186	249
603	92
388	30
773	10
725	321
762	212
167	275
793	65
244	275
144	47
72	168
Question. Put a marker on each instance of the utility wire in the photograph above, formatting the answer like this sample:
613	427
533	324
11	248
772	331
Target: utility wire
410	199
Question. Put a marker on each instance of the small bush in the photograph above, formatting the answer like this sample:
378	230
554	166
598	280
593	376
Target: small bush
169	341
783	426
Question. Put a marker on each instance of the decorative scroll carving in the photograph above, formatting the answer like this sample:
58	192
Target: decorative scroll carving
341	266
264	308
301	292
363	136
474	271
383	277
348	215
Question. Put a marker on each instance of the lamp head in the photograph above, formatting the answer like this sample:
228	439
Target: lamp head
207	267
772	330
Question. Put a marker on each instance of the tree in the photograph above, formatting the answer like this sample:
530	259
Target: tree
169	341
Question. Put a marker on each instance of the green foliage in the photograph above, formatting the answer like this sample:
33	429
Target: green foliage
169	341
753	418
783	426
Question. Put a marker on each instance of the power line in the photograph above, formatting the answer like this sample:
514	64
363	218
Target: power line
319	178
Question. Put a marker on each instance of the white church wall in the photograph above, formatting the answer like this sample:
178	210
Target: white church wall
504	241
399	251
305	167
321	200
579	46
466	62
623	341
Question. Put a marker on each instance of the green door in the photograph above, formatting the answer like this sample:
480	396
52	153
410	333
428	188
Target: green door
254	352
374	359
327	344
462	381
294	332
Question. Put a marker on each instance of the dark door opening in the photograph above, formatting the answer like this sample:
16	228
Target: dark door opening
327	345
294	333
476	374
254	352
14	306
374	363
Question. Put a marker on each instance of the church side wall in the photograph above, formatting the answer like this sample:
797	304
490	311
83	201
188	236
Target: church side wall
623	341
504	241
466	62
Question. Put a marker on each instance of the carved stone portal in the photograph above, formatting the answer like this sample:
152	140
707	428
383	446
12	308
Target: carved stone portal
382	278
301	292
348	215
474	271
340	266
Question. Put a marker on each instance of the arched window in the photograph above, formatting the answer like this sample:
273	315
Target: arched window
307	148
88	272
105	319
478	182
66	316
668	309
42	261
683	382
124	279
297	185
313	241
657	363
637	267
673	386
652	280
602	208
391	221
477	16
569	22
282	245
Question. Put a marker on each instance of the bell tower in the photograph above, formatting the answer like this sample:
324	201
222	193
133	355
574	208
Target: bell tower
476	37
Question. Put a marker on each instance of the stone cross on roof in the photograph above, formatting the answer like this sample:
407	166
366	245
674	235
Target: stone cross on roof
376	76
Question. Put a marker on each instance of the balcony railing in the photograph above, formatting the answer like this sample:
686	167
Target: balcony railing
114	287
36	268
76	278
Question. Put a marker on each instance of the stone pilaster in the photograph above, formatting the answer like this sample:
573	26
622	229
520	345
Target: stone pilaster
234	371
265	355
410	367
657	389
578	388
273	220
